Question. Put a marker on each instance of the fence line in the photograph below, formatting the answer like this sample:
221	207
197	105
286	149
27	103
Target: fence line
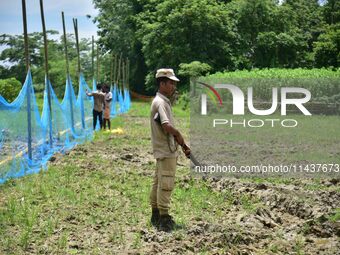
14	123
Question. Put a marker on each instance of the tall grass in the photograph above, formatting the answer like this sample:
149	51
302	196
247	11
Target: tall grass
279	73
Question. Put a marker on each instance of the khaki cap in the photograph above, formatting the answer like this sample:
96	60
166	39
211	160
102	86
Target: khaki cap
166	72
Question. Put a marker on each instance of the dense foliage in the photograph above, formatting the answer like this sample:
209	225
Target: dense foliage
9	88
14	61
227	35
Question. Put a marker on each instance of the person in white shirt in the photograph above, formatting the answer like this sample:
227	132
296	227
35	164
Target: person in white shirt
107	108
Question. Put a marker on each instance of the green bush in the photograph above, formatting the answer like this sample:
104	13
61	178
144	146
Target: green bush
184	100
10	88
194	69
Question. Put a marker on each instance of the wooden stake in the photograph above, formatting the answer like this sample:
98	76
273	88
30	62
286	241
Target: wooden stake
123	74
65	45
116	69
68	72
46	70
111	68
98	64
28	92
92	57
119	70
24	18
127	73
75	24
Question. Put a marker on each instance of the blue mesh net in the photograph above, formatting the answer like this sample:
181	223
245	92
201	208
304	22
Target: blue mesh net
16	159
127	100
120	99
28	140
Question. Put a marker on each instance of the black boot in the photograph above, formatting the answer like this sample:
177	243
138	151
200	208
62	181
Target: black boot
166	223
155	217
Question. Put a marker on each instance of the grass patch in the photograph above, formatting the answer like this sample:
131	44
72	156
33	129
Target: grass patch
335	217
83	194
95	199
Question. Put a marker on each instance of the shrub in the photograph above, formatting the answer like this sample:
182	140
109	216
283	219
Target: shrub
10	88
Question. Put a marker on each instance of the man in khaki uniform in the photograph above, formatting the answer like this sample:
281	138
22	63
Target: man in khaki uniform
165	138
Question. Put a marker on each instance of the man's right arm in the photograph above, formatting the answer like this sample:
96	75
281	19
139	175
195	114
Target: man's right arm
168	128
88	94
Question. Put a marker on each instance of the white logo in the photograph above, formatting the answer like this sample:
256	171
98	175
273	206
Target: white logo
238	100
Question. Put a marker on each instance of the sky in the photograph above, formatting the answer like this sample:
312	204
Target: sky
11	16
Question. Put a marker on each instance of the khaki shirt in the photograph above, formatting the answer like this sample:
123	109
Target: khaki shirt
163	145
98	98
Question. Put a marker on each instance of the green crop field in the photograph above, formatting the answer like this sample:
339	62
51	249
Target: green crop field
315	139
279	73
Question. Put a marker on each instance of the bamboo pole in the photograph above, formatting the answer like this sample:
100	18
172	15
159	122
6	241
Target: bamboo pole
127	72
111	68
28	92
123	74
45	37
75	25
116	69
68	71
27	59
119	70
98	64
65	45
92	57
46	70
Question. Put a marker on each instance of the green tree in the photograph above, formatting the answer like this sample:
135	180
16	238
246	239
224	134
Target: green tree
194	70
331	11
327	47
252	17
307	19
13	56
227	35
10	88
117	29
175	31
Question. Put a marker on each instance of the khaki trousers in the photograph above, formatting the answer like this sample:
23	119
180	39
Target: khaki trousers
163	184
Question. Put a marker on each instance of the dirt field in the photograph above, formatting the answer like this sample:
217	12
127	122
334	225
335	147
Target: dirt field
94	200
